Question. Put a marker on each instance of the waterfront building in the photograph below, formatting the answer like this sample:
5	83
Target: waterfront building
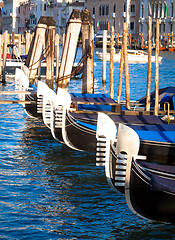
164	10
11	16
64	12
107	13
1	12
24	17
40	8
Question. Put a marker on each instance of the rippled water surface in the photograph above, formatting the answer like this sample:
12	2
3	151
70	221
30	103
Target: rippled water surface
48	191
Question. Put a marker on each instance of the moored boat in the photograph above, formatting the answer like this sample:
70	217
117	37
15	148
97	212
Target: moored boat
134	56
148	187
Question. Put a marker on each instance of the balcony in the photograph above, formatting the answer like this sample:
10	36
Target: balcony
132	14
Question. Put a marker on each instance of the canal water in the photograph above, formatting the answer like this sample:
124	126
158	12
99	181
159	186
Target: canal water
48	191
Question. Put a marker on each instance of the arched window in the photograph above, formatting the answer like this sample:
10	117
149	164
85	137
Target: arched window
172	9
142	11
160	10
124	8
153	10
156	10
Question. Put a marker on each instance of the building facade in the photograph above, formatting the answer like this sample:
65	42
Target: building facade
11	16
164	11
22	15
64	12
107	13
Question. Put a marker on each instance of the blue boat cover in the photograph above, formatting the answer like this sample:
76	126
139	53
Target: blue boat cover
133	119
93	98
89	95
33	87
157	167
87	125
166	94
162	184
157	133
164	133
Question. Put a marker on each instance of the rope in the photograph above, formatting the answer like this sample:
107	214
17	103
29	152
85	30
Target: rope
47	51
81	63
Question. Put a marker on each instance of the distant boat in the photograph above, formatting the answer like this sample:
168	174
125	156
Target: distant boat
134	56
14	60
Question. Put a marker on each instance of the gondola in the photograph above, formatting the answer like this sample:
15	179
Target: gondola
166	97
34	109
157	139
77	130
148	187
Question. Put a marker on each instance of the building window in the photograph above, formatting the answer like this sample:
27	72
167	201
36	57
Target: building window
156	10
172	9
142	11
152	10
132	27
103	10
107	10
124	7
132	8
93	10
164	10
171	27
44	6
114	8
100	11
160	9
164	27
141	28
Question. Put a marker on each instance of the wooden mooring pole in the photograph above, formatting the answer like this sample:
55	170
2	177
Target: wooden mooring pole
1	55
5	36
36	46
57	54
68	54
104	57
87	48
19	44
28	41
120	77
127	86
156	107
50	45
149	64
112	63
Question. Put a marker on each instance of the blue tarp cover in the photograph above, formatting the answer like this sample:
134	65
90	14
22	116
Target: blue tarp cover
162	184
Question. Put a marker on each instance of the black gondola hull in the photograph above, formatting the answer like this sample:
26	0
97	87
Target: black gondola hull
79	136
152	204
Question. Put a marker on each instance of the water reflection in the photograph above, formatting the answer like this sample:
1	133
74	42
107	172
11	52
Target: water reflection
52	192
